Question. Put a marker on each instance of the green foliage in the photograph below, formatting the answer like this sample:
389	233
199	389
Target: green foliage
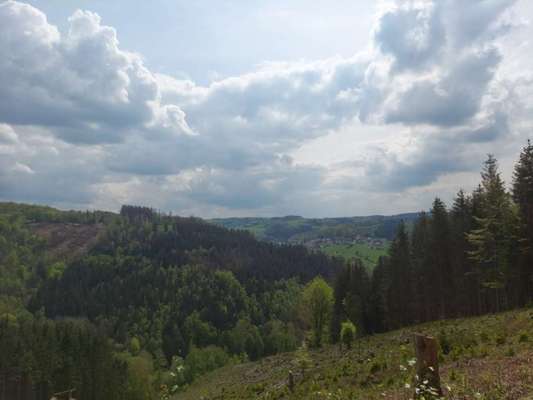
367	254
279	337
200	361
135	346
54	355
21	258
140	384
245	338
317	304
200	333
348	332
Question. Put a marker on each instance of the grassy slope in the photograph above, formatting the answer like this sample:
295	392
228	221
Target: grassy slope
488	357
367	254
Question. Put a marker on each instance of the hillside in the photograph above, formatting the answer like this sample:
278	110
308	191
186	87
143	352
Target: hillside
156	288
66	241
488	357
352	238
299	229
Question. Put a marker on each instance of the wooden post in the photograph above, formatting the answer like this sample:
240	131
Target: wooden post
427	367
291	381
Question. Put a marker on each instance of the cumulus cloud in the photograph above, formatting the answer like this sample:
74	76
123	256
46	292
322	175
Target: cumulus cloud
36	167
80	83
84	122
450	99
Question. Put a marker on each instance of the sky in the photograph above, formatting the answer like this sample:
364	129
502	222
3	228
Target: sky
260	107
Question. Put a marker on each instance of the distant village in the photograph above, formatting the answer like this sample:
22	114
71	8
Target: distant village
317	243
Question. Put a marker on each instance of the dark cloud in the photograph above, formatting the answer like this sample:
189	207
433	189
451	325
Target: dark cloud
429	156
451	100
414	36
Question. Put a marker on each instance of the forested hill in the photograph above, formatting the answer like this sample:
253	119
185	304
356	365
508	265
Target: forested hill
299	229
161	288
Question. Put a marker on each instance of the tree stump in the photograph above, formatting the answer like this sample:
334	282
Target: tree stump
427	367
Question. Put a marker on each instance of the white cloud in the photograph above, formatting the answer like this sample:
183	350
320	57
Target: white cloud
85	123
80	83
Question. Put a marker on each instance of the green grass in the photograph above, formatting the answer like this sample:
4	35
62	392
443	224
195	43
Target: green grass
488	358
369	255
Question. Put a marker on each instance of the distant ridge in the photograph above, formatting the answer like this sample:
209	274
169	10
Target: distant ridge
294	228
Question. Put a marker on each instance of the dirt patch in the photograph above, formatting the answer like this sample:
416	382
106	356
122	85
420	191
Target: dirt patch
509	378
66	241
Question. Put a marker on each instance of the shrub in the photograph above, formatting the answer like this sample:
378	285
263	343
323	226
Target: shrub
135	346
201	361
445	344
348	332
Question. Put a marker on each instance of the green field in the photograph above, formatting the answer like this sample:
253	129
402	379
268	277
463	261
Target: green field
369	255
487	358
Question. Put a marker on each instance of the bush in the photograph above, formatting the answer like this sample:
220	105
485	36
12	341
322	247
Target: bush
245	338
279	338
201	361
348	331
445	344
135	346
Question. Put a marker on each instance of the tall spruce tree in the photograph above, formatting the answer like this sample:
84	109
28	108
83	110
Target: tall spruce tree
523	197
400	289
421	274
461	224
351	299
378	304
492	236
442	282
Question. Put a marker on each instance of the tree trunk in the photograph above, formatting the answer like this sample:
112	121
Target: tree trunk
427	366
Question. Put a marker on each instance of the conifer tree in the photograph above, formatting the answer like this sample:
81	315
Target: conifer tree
523	197
461	224
378	305
400	290
421	274
492	236
440	262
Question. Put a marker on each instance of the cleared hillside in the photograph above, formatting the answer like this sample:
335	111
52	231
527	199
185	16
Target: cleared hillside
488	357
66	241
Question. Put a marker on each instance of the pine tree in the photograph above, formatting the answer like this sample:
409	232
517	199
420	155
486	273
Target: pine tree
492	236
523	197
400	290
463	270
378	304
420	266
442	283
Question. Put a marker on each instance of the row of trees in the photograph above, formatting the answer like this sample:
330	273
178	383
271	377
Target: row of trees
471	259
